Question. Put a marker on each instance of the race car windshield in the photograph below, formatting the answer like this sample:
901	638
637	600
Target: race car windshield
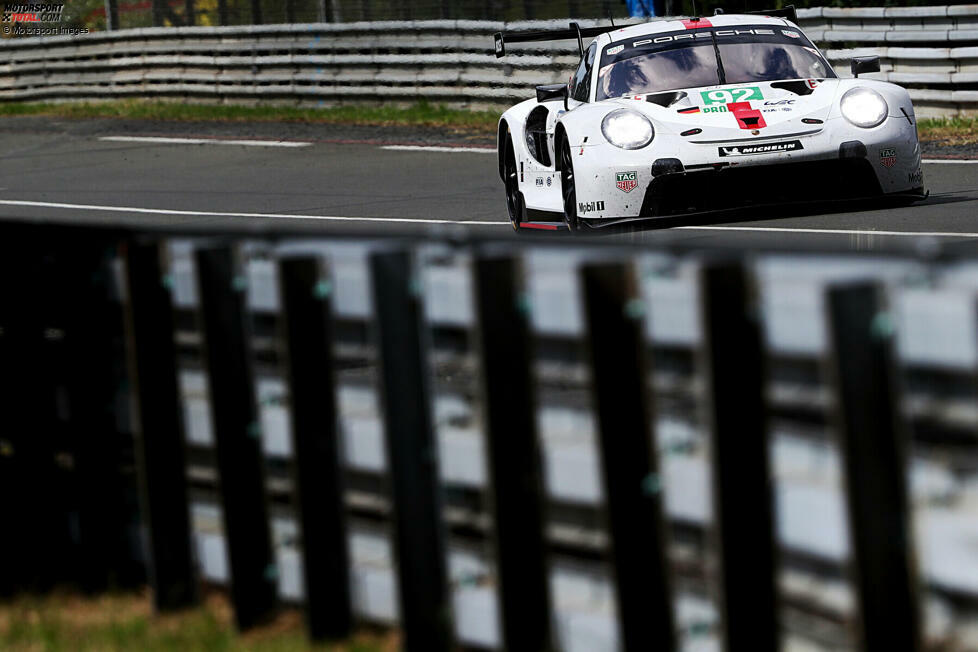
687	59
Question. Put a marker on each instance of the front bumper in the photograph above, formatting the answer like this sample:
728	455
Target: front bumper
839	161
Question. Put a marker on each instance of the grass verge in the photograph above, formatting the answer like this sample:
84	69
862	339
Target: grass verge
951	131
125	622
420	114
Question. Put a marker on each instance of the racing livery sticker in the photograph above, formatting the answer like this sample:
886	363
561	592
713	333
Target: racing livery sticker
720	108
729	95
539	181
813	83
626	181
589	207
766	148
888	157
615	50
916	179
790	33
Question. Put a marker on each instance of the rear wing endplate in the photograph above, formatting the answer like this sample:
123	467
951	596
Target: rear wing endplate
575	31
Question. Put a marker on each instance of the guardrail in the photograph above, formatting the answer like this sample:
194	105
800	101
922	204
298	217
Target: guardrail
477	440
931	50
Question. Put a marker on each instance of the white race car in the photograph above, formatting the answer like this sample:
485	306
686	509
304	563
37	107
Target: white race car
684	115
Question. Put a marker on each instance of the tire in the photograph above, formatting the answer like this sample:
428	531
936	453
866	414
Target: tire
568	189
515	205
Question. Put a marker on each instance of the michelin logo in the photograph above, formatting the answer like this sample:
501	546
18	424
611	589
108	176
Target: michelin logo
766	148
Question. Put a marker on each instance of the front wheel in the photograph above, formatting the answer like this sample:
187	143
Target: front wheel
567	187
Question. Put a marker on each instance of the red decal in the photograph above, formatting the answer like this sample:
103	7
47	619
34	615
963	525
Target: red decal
747	118
693	24
537	225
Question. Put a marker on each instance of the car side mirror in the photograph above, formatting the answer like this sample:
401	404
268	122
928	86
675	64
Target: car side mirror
864	64
551	92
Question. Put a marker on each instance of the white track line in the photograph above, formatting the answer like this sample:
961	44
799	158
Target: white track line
950	161
413	220
433	148
164	211
204	141
774	229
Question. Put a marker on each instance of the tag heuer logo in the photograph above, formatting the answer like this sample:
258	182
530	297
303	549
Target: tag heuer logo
888	157
767	148
626	181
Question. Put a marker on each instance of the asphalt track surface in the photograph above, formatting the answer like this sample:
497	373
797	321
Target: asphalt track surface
345	180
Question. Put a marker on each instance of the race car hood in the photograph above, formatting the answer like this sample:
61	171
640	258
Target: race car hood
740	111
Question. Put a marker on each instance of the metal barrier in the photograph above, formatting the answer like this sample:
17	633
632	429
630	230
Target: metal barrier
931	50
582	445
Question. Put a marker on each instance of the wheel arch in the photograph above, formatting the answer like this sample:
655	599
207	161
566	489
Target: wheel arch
560	135
502	133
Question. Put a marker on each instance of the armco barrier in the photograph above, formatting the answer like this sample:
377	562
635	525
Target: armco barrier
931	50
498	445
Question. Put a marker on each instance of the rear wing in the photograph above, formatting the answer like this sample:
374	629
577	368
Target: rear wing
575	31
786	12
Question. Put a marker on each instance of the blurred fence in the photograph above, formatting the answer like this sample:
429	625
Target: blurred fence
930	50
498	446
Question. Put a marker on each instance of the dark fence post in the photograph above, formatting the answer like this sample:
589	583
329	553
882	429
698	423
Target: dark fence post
160	454
191	17
237	435
515	464
256	18
222	13
159	10
26	462
308	329
742	482
111	15
873	443
633	484
412	453
86	334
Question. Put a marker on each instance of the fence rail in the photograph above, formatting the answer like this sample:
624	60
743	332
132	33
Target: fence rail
620	438
931	50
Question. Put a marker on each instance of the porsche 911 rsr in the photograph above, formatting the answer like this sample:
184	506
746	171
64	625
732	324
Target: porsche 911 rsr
682	115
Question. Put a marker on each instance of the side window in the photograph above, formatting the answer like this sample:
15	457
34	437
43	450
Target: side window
580	86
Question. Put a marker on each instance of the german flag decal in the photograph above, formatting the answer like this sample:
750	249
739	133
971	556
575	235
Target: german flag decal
692	109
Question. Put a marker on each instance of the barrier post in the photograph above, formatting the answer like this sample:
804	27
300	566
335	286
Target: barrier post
515	465
308	330
742	493
412	453
633	483
873	443
160	448
237	435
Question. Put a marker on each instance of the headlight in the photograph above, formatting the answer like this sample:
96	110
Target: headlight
627	129
864	107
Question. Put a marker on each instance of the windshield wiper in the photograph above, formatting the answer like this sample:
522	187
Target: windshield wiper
721	75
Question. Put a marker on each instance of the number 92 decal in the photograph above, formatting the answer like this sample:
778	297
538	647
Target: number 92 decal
728	95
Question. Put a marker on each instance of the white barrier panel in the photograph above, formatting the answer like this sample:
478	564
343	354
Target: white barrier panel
934	50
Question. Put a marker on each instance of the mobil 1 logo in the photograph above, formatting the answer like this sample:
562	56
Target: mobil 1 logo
585	207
